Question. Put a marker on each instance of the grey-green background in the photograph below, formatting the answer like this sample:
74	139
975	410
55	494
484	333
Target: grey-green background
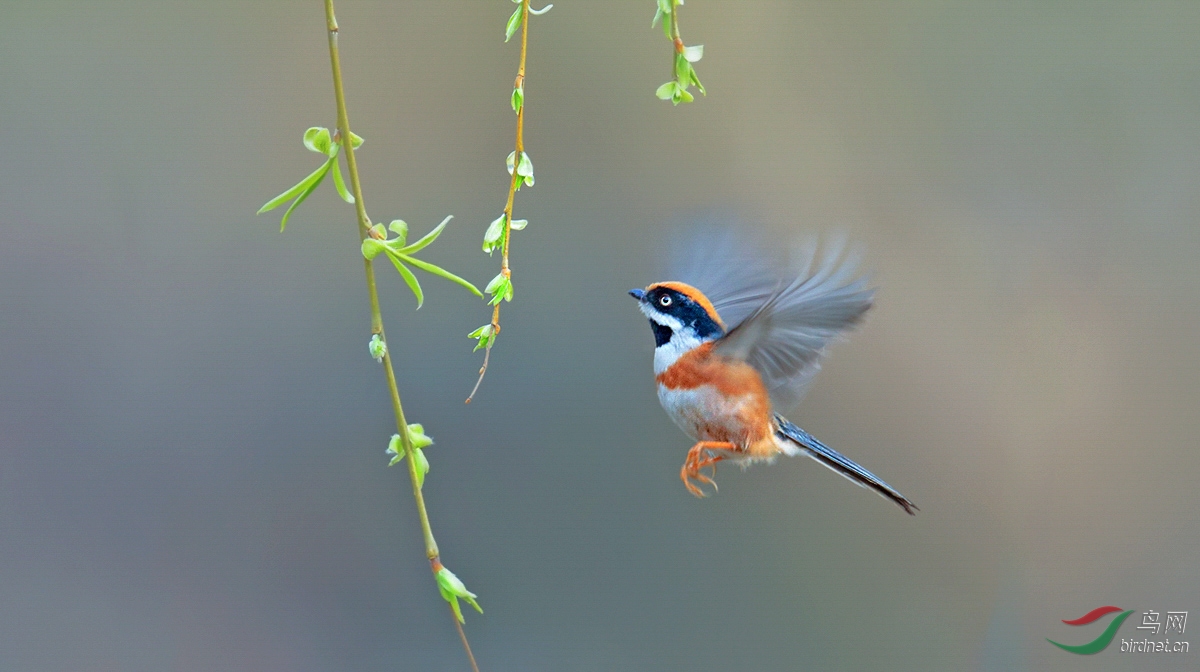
192	473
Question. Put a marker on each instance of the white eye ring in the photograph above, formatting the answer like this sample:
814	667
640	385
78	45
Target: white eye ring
664	301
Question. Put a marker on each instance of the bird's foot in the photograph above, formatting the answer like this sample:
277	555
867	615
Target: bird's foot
698	459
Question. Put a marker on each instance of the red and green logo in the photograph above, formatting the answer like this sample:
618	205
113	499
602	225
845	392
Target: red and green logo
1098	644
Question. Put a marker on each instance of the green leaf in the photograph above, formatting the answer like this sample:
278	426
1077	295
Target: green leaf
395	448
474	604
409	279
452	589
684	96
427	238
693	54
501	289
372	247
355	141
317	140
418	440
497	298
417	436
658	15
295	191
683	69
519	224
494	236
664	6
667	91
303	195
400	228
442	273
525	167
518	98
338	183
510	162
378	232
453	605
539	12
514	22
485	334
696	81
422	463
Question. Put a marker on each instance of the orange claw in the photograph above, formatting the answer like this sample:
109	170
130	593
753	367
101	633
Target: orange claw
698	459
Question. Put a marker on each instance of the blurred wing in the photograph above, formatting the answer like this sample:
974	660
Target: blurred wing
786	335
730	265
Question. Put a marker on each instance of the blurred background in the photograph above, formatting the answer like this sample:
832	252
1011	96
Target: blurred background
192	468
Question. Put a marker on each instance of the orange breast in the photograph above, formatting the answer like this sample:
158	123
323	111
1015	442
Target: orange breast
732	404
701	367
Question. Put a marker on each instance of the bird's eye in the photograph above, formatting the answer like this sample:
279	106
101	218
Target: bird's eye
664	301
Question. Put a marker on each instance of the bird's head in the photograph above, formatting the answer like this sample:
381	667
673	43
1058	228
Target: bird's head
681	318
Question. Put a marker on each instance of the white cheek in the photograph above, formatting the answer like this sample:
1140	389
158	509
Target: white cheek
663	319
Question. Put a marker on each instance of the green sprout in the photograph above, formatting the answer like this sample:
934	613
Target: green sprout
377	347
418	439
518	97
524	168
494	236
676	90
400	254
501	288
484	335
316	139
514	21
452	590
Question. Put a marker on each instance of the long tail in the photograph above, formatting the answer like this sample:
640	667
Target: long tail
840	463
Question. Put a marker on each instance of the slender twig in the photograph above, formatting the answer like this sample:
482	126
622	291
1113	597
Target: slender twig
519	83
675	27
463	636
364	225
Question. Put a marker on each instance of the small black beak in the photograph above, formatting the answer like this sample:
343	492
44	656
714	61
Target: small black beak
637	294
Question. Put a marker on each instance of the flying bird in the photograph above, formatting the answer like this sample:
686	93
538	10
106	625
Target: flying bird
724	383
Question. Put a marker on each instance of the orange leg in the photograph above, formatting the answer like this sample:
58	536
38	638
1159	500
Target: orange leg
697	459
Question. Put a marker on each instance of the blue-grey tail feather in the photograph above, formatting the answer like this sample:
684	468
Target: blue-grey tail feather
840	463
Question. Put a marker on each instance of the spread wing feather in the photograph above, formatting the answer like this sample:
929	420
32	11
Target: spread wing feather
780	312
780	315
785	336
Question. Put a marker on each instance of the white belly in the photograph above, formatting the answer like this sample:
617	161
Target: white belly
704	414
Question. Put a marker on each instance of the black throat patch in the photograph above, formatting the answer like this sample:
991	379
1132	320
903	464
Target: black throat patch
662	334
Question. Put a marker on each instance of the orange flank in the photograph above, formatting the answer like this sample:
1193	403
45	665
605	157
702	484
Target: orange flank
749	433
